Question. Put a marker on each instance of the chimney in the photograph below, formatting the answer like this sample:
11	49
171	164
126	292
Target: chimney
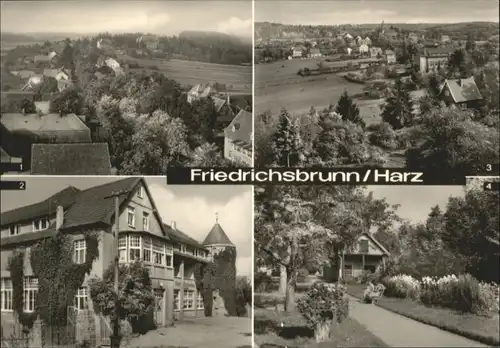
459	82
59	217
174	227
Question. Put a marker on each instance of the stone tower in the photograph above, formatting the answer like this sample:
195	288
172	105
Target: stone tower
216	242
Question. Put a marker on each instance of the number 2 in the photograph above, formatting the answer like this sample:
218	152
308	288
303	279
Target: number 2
22	185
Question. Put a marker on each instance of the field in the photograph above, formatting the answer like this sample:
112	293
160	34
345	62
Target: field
236	78
277	85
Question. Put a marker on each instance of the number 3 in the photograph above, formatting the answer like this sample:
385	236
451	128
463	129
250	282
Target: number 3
488	167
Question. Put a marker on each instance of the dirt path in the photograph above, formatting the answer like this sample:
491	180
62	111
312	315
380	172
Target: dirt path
213	332
398	331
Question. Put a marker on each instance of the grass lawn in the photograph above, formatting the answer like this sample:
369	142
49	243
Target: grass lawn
479	328
294	333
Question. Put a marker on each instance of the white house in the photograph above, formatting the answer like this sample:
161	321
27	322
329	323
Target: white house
363	49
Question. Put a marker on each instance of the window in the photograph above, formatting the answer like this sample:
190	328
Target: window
177	271
6	293
188	299
30	292
81	299
145	221
370	268
14	229
199	301
183	248
122	248
158	253
79	251
363	246
140	192
134	245
146	252
347	270
40	224
131	217
177	300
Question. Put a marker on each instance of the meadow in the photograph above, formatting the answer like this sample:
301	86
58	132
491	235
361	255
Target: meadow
278	86
237	79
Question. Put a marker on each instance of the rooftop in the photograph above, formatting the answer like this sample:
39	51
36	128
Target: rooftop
34	123
463	90
217	236
240	128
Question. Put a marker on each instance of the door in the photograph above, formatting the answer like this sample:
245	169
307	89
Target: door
159	304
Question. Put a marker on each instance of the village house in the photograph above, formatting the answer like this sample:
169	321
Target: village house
45	58
364	49
413	37
461	93
347	36
150	41
169	254
225	113
104	44
314	53
375	52
358	39
433	58
298	51
365	256
390	35
33	82
390	57
200	91
58	74
445	38
368	41
238	141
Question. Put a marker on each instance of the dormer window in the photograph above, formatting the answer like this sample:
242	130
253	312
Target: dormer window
14	229
40	224
236	126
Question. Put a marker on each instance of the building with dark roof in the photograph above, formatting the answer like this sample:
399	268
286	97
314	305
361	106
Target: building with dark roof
70	159
238	142
462	93
433	58
169	254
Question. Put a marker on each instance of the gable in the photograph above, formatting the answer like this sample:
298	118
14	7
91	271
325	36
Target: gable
141	202
374	247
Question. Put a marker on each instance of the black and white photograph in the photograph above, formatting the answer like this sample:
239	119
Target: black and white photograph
180	264
377	83
377	266
125	87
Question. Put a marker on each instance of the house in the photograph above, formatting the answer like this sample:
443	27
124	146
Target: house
238	142
364	49
170	255
368	41
349	51
104	44
433	58
391	35
225	113
413	37
24	74
445	38
45	58
58	74
70	159
200	91
462	93
390	57
314	53
347	36
150	41
33	82
375	52
366	255
298	51
358	40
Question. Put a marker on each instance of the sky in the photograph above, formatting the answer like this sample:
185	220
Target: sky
375	11
156	17
416	201
193	208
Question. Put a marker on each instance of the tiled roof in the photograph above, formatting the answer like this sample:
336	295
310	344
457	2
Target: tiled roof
438	51
217	236
181	237
65	198
463	90
218	103
240	128
70	159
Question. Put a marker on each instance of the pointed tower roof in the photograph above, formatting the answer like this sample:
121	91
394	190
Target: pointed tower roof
217	236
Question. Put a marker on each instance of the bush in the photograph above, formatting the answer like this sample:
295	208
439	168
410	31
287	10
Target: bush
323	306
268	300
302	276
402	286
243	296
384	136
263	282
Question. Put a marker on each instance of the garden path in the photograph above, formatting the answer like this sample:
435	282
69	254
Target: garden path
398	331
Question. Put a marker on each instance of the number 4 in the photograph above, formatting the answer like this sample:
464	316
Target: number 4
488	186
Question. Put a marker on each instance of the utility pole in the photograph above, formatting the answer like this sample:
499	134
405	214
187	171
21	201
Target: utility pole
115	337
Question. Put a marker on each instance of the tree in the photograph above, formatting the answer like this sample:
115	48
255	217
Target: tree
48	86
349	110
207	155
453	143
398	107
286	143
27	106
69	101
135	295
159	141
457	65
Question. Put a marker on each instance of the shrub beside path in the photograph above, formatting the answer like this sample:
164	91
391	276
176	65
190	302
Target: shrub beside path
398	331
